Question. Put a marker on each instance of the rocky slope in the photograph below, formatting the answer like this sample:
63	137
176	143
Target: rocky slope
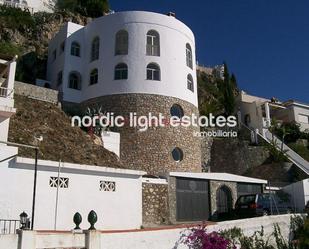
60	140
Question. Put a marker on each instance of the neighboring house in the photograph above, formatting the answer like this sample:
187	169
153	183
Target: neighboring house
295	112
32	5
257	112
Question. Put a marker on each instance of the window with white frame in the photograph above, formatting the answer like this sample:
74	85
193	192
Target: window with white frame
189	56
190	84
122	42
121	71
153	72
107	186
61	182
153	43
95	49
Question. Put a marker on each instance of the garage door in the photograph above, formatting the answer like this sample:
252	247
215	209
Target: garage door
192	198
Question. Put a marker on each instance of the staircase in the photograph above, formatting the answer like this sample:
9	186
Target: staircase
291	154
300	162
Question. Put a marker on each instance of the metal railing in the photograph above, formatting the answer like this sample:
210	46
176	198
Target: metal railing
9	226
6	92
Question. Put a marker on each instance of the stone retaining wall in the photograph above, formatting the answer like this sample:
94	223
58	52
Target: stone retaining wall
36	92
235	156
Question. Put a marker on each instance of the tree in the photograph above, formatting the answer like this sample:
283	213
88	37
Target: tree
91	8
228	98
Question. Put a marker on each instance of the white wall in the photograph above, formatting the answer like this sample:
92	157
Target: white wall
111	141
297	110
169	238
121	209
160	238
299	192
173	38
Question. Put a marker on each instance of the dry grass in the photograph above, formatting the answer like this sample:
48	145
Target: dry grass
60	139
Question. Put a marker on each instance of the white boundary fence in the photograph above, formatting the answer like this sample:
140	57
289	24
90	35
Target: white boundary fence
158	238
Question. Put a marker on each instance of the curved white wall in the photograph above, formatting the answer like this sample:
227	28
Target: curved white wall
174	36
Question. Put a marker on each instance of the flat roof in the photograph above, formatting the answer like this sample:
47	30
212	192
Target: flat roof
219	177
24	160
295	102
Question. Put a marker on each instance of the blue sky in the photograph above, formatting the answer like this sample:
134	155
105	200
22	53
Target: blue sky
264	42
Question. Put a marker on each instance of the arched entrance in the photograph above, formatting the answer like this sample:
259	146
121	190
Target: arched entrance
224	200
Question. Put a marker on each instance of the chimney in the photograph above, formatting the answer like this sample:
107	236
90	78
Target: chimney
173	14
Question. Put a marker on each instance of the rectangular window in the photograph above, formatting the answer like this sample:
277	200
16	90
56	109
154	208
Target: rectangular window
107	186
303	118
61	182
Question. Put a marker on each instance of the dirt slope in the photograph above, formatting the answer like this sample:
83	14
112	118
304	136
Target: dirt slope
60	140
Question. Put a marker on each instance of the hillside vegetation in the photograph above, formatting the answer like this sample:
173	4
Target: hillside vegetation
60	139
28	36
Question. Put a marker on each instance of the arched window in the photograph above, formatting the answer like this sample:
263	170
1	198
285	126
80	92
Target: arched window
75	81
190	84
189	56
153	43
153	72
95	49
121	71
122	42
75	49
93	79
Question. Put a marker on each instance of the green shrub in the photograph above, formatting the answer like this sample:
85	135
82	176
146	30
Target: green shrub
300	149
16	19
9	48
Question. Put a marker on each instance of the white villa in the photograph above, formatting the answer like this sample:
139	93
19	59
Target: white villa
257	112
32	5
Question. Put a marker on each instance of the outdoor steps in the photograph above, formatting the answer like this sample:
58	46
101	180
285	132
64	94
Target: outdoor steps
291	154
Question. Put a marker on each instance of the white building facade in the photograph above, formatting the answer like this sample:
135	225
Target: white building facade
31	5
135	39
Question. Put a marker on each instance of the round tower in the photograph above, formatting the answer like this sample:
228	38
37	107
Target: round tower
139	62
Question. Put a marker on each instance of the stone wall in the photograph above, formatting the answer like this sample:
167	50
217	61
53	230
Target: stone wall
235	156
36	92
172	200
214	186
151	150
155	204
206	144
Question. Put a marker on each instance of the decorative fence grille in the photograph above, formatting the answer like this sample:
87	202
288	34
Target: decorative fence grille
9	226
